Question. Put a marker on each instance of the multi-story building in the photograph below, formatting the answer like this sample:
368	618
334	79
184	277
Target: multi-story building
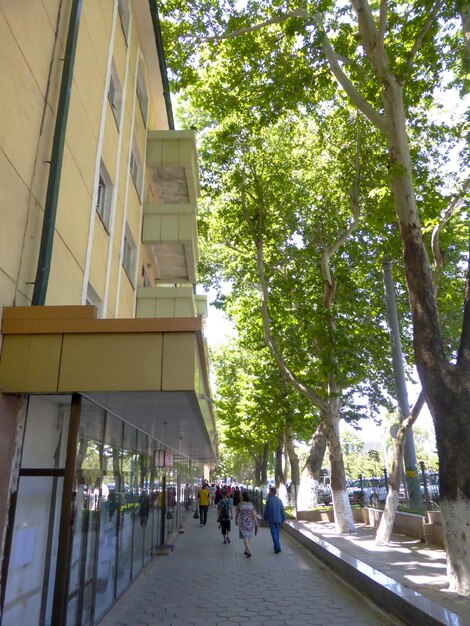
104	394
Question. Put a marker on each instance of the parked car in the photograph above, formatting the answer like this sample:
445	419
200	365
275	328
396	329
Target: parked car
324	495
323	490
432	483
374	491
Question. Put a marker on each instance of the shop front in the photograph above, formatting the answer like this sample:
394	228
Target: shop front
105	477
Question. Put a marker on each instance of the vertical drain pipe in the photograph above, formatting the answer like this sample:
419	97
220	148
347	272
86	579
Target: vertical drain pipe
162	62
50	208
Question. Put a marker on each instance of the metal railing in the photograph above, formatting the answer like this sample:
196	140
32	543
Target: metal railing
373	491
256	497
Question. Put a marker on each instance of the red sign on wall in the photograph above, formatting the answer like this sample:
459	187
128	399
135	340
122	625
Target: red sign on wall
162	458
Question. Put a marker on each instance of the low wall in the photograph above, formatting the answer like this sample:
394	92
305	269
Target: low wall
316	516
432	528
405	523
428	529
359	515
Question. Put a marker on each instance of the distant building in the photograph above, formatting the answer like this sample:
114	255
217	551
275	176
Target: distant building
103	364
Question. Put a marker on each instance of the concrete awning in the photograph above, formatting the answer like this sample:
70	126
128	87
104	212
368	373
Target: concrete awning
152	373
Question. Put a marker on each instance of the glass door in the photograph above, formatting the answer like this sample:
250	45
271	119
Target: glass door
88	498
85	544
33	557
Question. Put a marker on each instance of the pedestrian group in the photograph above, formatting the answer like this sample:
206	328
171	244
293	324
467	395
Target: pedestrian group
226	499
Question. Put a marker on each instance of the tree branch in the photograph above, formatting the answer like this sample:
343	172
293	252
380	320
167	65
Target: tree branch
403	429
386	523
465	17
305	390
352	92
373	47
355	210
382	23
445	217
234	248
332	59
299	13
423	32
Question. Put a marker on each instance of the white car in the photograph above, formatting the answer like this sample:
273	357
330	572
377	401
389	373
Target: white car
374	491
432	484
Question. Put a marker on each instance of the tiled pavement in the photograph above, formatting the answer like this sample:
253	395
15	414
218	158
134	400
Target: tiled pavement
206	583
417	568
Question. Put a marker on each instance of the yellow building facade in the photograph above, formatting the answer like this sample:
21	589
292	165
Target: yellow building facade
105	407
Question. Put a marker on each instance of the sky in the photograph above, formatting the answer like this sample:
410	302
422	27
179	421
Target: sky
218	328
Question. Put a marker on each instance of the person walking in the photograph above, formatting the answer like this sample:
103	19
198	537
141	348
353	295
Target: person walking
247	521
236	496
144	508
203	496
212	490
275	515
225	515
218	495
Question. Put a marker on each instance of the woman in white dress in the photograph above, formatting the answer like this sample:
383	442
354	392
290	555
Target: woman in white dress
247	521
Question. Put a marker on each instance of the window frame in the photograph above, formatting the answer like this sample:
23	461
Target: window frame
142	92
115	94
104	197
93	299
124	11
136	169
129	255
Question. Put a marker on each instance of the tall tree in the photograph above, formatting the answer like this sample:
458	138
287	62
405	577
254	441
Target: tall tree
254	406
274	231
388	60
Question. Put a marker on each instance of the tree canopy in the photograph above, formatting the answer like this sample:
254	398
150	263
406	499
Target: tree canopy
382	69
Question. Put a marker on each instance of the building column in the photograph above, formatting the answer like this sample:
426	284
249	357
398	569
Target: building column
59	609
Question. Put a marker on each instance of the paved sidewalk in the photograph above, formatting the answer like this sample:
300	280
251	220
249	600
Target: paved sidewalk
206	583
408	561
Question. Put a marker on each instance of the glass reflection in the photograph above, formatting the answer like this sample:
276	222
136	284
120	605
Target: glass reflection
109	516
127	508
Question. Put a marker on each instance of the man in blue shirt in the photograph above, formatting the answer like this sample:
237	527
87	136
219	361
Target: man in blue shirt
275	516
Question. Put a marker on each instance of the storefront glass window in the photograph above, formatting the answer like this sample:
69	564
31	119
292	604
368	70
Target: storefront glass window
118	504
31	572
109	516
88	503
128	507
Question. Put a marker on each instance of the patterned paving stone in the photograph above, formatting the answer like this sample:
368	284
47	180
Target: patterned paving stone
191	585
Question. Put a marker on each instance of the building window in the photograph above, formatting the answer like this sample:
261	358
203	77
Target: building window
104	197
146	278
129	255
142	95
93	298
125	17
115	94
135	166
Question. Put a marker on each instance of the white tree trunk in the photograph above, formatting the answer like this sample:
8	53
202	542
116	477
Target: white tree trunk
344	522
307	495
456	527
341	506
390	511
282	493
388	518
308	488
